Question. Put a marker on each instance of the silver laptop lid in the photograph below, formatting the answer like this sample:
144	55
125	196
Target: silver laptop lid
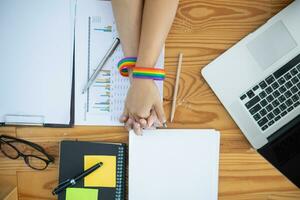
249	62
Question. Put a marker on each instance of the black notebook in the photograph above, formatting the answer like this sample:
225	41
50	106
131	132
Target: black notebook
108	182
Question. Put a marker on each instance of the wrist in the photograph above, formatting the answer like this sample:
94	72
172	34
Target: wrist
128	67
125	66
146	61
142	82
148	73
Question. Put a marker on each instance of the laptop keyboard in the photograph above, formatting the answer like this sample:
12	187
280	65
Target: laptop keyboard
275	96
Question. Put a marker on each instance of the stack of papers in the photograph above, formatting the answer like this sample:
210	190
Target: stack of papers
174	164
36	61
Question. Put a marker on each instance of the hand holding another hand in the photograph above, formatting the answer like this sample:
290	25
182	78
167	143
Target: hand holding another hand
143	106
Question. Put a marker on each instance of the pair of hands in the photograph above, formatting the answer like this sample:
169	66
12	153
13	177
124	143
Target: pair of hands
143	106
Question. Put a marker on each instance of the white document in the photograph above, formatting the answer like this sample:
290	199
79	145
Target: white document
36	60
95	31
174	165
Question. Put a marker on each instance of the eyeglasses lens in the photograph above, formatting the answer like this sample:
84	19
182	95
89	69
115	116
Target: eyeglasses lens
9	151
36	163
28	150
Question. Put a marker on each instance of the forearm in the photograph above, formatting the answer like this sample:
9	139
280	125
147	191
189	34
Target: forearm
128	15
158	16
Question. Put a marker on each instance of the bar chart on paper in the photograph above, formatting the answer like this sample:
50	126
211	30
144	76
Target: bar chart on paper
100	91
103	103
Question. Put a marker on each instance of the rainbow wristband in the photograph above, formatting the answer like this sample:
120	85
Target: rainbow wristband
125	64
148	73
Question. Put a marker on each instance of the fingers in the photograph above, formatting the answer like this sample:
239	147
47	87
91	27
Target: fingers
137	128
156	117
160	113
129	124
157	123
141	118
152	118
143	123
138	124
124	116
133	123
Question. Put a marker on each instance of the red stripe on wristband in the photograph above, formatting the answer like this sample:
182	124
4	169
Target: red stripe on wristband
126	63
148	73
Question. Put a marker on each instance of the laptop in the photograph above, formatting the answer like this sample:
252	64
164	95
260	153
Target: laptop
258	82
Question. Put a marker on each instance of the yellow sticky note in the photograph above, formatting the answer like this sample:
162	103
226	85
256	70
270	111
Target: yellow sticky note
105	176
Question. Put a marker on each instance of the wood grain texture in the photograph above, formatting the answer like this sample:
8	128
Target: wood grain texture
8	179
9	130
13	195
7	183
202	31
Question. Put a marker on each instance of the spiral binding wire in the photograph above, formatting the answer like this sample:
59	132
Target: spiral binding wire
120	174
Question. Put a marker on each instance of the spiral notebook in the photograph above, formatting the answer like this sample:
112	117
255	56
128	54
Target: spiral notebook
107	182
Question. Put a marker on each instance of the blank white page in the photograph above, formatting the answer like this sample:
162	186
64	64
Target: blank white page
174	165
36	54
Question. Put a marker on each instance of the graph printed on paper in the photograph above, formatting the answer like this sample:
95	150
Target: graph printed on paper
107	94
95	32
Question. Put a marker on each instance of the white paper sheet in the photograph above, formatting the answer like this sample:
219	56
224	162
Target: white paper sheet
36	59
95	32
174	164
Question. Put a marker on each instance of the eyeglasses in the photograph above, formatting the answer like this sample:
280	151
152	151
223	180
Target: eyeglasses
11	148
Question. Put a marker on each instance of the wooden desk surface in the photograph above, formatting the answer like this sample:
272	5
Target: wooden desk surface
202	31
